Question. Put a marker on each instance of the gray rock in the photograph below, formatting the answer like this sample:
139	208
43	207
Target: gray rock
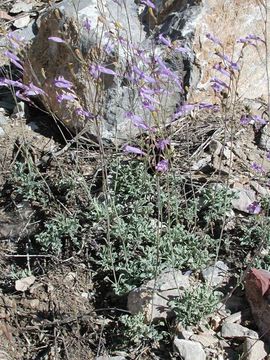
201	163
264	142
152	298
3	118
254	350
245	198
189	350
22	22
231	330
259	188
206	340
238	317
21	6
216	274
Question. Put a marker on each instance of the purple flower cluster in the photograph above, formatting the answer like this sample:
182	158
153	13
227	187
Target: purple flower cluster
254	208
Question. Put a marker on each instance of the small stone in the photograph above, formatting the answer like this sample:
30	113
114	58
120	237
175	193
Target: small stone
238	317
206	340
215	275
254	349
189	350
231	330
215	147
21	6
152	298
24	283
259	189
2	131
245	198
22	22
201	163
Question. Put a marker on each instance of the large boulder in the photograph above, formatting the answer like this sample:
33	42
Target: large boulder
228	21
100	33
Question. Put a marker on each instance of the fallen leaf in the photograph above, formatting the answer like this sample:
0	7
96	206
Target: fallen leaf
4	15
262	279
24	283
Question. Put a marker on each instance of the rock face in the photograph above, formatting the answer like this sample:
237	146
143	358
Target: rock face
206	16
89	42
152	298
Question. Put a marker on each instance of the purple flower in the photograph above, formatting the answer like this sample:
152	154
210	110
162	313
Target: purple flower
218	85
183	110
146	95
109	48
9	82
233	65
268	156
62	83
257	168
254	207
245	120
96	70
56	39
204	105
16	40
164	41
84	113
181	49
259	120
33	90
87	24
147	105
137	121
249	40
67	97
148	3
162	166
141	75
162	144
214	39
22	96
219	68
133	150
13	59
